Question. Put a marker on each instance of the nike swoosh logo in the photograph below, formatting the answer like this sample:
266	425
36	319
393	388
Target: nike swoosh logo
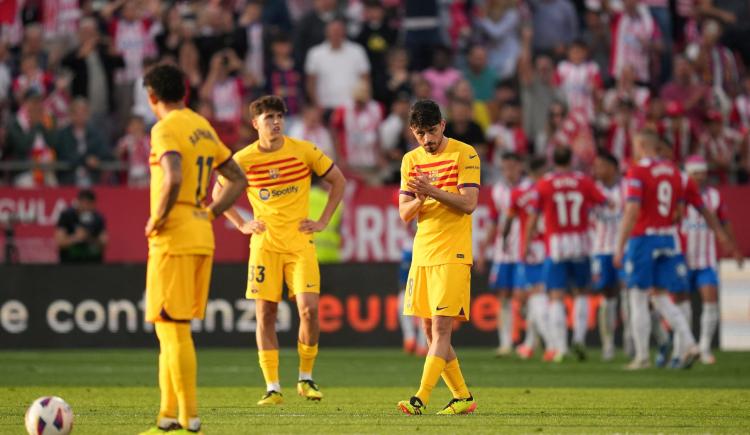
310	285
471	157
441	308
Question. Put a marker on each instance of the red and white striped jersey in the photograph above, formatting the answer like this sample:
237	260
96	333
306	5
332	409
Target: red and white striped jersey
134	41
565	199
607	220
578	83
701	241
620	139
681	134
630	34
357	131
693	201
227	98
741	112
522	199
499	211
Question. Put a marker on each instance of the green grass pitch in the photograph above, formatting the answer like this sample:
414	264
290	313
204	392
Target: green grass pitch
114	392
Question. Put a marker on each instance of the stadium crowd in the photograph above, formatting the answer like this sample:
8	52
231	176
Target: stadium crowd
511	75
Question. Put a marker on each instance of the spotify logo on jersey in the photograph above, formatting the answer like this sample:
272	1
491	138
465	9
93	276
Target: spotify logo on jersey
264	194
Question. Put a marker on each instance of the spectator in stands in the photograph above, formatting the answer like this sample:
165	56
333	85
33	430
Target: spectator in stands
461	126
92	65
441	75
598	39
635	36
507	135
283	78
334	68
716	66
626	88
555	25
141	106
30	138
57	103
31	77
131	36
134	149
422	31
479	110
81	147
6	78
397	75
355	125
393	132
480	75
720	145
377	38
33	45
536	75
311	128
740	109
687	90
498	24
81	233
678	131
256	38
189	61
579	80
217	32
225	91
622	130
170	38
311	29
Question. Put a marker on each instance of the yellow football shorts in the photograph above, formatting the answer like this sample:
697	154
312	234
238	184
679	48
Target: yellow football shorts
442	290
177	286
268	270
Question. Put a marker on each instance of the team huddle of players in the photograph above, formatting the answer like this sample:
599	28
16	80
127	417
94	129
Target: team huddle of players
636	237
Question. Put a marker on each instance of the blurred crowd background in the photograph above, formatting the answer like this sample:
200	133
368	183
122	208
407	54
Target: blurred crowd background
518	75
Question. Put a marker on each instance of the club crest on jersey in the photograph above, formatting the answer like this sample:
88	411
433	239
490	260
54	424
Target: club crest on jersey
264	194
433	176
274	173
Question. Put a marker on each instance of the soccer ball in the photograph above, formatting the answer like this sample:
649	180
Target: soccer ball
49	415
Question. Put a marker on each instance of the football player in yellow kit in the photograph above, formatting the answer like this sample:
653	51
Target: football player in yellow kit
439	188
279	170
184	152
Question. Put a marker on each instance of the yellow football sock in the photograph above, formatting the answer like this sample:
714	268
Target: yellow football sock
454	379
307	356
269	364
168	407
182	367
433	366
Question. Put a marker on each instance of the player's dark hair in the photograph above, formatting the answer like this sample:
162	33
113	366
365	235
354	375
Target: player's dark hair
537	163
267	104
607	157
562	156
86	195
424	114
167	82
510	155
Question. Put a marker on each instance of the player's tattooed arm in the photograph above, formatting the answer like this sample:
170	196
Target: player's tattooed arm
629	217
235	183
171	164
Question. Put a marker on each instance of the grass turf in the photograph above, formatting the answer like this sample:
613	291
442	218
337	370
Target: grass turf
114	392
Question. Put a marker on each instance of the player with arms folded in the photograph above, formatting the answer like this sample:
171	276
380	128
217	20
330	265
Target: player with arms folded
564	200
439	188
654	196
185	151
279	170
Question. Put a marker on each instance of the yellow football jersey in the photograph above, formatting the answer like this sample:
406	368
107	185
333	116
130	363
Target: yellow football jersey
443	233
279	190
187	229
